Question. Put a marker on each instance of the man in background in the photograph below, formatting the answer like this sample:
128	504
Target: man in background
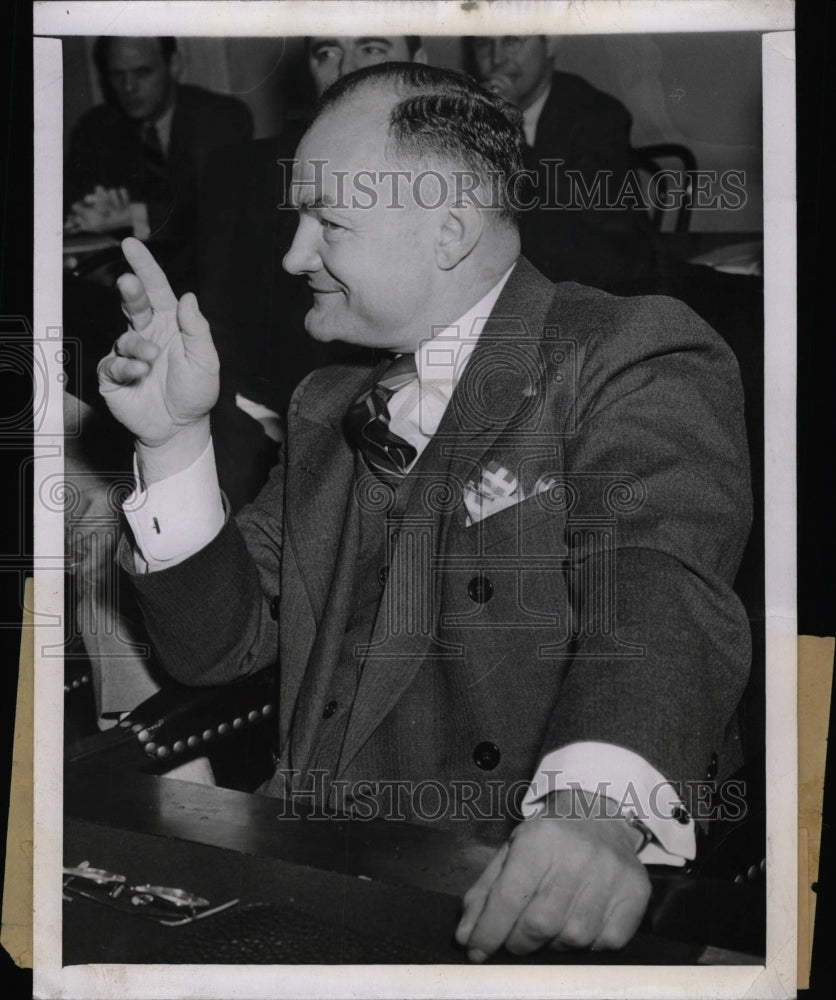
576	138
133	162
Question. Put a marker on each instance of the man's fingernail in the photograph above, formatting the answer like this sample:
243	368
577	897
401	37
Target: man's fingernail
475	955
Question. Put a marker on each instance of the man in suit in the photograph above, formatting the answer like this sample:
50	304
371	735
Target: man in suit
497	564
133	163
588	225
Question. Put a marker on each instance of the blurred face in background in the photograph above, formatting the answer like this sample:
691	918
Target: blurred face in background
517	67
141	78
329	58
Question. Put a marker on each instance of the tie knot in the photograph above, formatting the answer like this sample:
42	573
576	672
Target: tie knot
367	421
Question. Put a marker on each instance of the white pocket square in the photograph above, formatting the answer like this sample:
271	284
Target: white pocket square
496	490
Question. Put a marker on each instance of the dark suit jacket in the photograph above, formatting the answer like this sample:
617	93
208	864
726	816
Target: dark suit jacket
612	616
105	149
589	132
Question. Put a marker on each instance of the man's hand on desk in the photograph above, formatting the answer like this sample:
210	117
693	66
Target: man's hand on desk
558	881
161	378
104	210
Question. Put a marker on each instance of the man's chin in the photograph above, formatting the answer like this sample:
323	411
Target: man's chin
322	329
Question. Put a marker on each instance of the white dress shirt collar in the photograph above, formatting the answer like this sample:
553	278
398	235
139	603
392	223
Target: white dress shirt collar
416	409
162	126
532	113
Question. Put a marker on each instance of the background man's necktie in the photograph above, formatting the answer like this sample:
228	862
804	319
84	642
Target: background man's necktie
367	422
153	157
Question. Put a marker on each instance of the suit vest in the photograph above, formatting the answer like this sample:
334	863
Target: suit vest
326	698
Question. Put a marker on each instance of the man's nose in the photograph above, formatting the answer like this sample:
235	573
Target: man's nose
303	255
348	63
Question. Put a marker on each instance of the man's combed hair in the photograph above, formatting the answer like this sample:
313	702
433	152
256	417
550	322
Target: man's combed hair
444	116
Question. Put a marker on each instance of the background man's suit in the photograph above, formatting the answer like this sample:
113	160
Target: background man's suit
589	132
105	148
633	407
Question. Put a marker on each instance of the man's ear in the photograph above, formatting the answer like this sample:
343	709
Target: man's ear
551	46
420	56
460	231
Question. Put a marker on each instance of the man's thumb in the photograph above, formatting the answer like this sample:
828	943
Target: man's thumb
197	338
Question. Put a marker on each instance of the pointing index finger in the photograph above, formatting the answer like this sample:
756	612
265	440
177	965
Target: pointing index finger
150	274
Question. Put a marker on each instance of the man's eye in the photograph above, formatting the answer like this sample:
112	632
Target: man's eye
325	55
374	51
329	225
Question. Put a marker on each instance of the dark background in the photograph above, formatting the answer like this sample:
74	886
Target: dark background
816	360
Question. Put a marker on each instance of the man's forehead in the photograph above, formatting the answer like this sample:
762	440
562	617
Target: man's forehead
126	51
350	136
345	41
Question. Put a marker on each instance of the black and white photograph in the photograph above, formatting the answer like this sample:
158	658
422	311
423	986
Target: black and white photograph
417	599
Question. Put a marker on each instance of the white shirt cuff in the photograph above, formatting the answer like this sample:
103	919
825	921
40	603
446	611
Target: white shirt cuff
177	516
627	778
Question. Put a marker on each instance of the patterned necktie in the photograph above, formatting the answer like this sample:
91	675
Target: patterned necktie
153	157
367	422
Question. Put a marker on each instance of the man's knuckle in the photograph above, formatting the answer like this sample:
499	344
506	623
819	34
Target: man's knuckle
539	924
578	932
612	939
520	944
471	896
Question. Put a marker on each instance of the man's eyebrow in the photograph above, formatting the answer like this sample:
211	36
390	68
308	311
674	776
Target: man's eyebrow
323	42
305	204
373	39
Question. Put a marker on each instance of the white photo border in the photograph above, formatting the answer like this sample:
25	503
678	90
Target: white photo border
778	977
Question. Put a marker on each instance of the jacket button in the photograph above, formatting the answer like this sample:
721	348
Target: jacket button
329	710
480	589
274	609
383	575
713	767
680	815
486	756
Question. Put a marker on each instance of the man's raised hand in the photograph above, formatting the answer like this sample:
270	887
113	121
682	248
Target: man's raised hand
161	378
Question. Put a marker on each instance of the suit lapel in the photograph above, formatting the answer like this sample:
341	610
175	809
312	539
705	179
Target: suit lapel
498	390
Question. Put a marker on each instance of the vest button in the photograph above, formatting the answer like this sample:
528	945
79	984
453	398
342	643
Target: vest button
383	575
274	608
486	756
329	710
480	589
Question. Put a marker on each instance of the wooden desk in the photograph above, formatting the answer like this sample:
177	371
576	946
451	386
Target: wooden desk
390	882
